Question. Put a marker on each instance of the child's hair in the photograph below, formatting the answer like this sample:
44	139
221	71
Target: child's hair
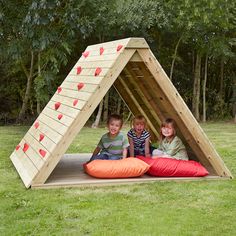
139	119
171	122
115	117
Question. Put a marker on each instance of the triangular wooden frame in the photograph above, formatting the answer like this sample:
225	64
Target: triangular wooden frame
131	67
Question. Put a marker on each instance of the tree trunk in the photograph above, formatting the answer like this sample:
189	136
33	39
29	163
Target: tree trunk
28	88
118	110
174	57
98	117
204	91
39	74
105	107
221	92
234	100
196	87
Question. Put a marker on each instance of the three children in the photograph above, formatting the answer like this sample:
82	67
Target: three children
114	144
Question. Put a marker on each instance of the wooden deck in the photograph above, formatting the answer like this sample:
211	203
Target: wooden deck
69	173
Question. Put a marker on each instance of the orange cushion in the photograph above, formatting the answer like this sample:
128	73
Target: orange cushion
124	168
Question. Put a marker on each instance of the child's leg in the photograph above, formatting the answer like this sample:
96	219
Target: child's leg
114	158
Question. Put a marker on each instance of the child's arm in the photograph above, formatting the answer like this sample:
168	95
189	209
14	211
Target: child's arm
124	154
131	147
174	147
96	151
147	147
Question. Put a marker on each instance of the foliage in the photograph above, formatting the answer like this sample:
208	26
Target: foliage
58	31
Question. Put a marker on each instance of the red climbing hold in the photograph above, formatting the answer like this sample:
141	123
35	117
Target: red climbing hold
119	48
57	105
75	102
59	116
97	71
80	86
26	147
36	125
101	50
42	152
59	89
79	69
17	147
85	54
41	137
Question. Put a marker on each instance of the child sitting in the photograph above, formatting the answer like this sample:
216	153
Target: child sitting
170	145
112	145
139	138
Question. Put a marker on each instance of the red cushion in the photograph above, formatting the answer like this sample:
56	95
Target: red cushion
124	168
168	167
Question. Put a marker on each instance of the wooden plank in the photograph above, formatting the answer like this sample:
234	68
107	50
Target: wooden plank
75	94
110	49
125	97
53	124
83	116
184	114
26	174
32	153
136	58
84	79
147	110
46	143
65	120
69	111
137	43
94	58
147	87
44	128
110	44
25	163
72	85
96	63
68	101
89	72
141	84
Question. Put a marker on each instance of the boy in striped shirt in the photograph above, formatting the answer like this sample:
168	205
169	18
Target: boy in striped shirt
112	145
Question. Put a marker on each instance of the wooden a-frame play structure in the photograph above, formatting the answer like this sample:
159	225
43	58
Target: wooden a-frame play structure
131	67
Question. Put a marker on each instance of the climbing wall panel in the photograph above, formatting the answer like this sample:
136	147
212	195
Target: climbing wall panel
68	110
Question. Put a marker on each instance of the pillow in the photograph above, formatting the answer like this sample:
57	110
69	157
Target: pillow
168	167
124	168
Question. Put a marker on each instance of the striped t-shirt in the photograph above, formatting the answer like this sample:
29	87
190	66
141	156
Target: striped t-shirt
139	142
113	146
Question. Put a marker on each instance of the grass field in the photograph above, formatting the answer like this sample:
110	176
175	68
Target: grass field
160	208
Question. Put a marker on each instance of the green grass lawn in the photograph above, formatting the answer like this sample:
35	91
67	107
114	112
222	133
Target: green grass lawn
160	208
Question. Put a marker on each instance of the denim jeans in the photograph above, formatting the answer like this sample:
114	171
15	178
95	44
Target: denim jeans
104	157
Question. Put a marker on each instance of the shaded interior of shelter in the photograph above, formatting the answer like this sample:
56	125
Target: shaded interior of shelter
139	90
142	94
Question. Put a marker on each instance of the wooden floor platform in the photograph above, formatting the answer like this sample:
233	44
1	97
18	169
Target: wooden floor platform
69	173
